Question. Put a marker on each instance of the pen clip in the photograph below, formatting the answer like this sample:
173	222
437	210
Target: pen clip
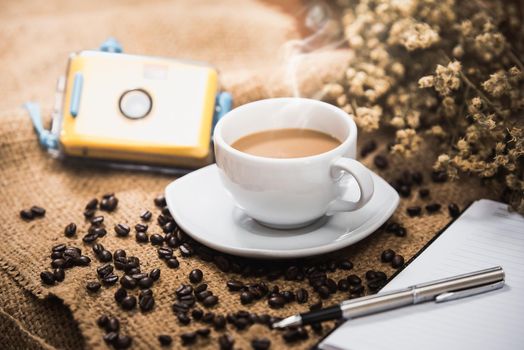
447	296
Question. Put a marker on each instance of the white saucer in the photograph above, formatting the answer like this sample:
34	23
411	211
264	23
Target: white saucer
205	211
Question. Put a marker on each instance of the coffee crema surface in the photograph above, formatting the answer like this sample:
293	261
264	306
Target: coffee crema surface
286	143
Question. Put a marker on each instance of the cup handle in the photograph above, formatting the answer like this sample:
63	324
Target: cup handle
365	183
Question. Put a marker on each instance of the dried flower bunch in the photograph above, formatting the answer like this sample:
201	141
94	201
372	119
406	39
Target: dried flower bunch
449	71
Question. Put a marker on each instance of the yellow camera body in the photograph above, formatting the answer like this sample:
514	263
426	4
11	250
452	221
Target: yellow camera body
138	108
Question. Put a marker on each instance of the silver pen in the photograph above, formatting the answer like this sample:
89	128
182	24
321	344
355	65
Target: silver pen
442	290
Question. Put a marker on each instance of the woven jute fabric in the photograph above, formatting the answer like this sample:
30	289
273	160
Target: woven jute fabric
243	43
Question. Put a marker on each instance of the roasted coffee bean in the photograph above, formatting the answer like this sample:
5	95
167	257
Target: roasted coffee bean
288	295
354	280
47	277
104	270
222	263
397	262
234	285
172	242
291	273
219	323
113	325
156	239
122	230
203	332
102	321
120	294
195	276
58	263
145	282
197	314
423	193
375	285
208	317
57	255
172	263
155	274
37	211
345	265
162	220
90	238
137	275
128	303
188	338
123	342
169	227
97	220
356	289
246	298
404	190
302	296
109	204
93	286
165	211
439	176
260	343
241	323
165	340
146	303
160	201
83	260
226	342
401	232
128	282
367	148
59	274
200	288
210	301
141	227
202	295
97	248
417	177
414	210
146	215
165	253
89	213
379	275
454	210
276	302
183	289
370	275
432	208
110	337
60	248
183	318
99	231
380	161
70	230
141	237
92	204
343	285
105	256
290	335
186	250
387	255
332	285
26	214
392	227
119	253
323	292
110	279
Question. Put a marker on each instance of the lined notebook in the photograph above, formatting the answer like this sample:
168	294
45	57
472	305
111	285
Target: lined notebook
485	235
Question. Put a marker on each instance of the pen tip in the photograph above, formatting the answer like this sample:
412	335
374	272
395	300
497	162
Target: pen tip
294	320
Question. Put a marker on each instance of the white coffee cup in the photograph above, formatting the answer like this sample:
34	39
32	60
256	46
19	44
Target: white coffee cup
290	192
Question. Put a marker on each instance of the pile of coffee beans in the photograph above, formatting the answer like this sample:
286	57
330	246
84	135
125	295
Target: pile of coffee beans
389	256
34	212
111	326
63	257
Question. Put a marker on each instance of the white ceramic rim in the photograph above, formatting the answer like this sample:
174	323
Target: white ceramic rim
340	149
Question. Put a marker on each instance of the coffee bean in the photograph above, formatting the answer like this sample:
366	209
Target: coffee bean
276	302
380	161
172	263
379	275
70	230
119	253
211	300
120	294
97	220
102	320
260	343
375	285
417	177
146	303
186	250
414	210
234	285
141	227
200	288
332	285
454	210
387	255
141	237
219	323
110	279
183	318
146	215
367	148
165	340
432	208
47	277
92	204
195	276
109	204
155	274
97	248
241	323
423	193
169	227
93	286
404	190
145	292
127	282
345	265
160	201
123	342
356	289
226	342
188	338
439	176
397	262
401	232
110	338
105	256
128	303
370	275
343	285
58	263
291	273
246	298
26	214
392	227
37	211
90	238
99	231
156	239
104	270
89	213
222	263
302	296
183	289
203	332
208	317
145	282
165	253
122	230
57	255
113	325
323	292
82	260
165	211
197	314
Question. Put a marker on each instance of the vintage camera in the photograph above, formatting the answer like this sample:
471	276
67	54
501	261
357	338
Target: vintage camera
132	109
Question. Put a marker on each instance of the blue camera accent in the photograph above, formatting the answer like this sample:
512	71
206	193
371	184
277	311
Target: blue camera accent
223	104
76	94
46	139
111	45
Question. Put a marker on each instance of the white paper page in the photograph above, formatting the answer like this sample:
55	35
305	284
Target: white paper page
486	235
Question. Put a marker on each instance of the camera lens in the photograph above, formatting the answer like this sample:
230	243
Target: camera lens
135	104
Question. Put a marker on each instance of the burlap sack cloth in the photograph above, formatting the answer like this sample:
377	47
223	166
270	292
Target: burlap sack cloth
246	40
